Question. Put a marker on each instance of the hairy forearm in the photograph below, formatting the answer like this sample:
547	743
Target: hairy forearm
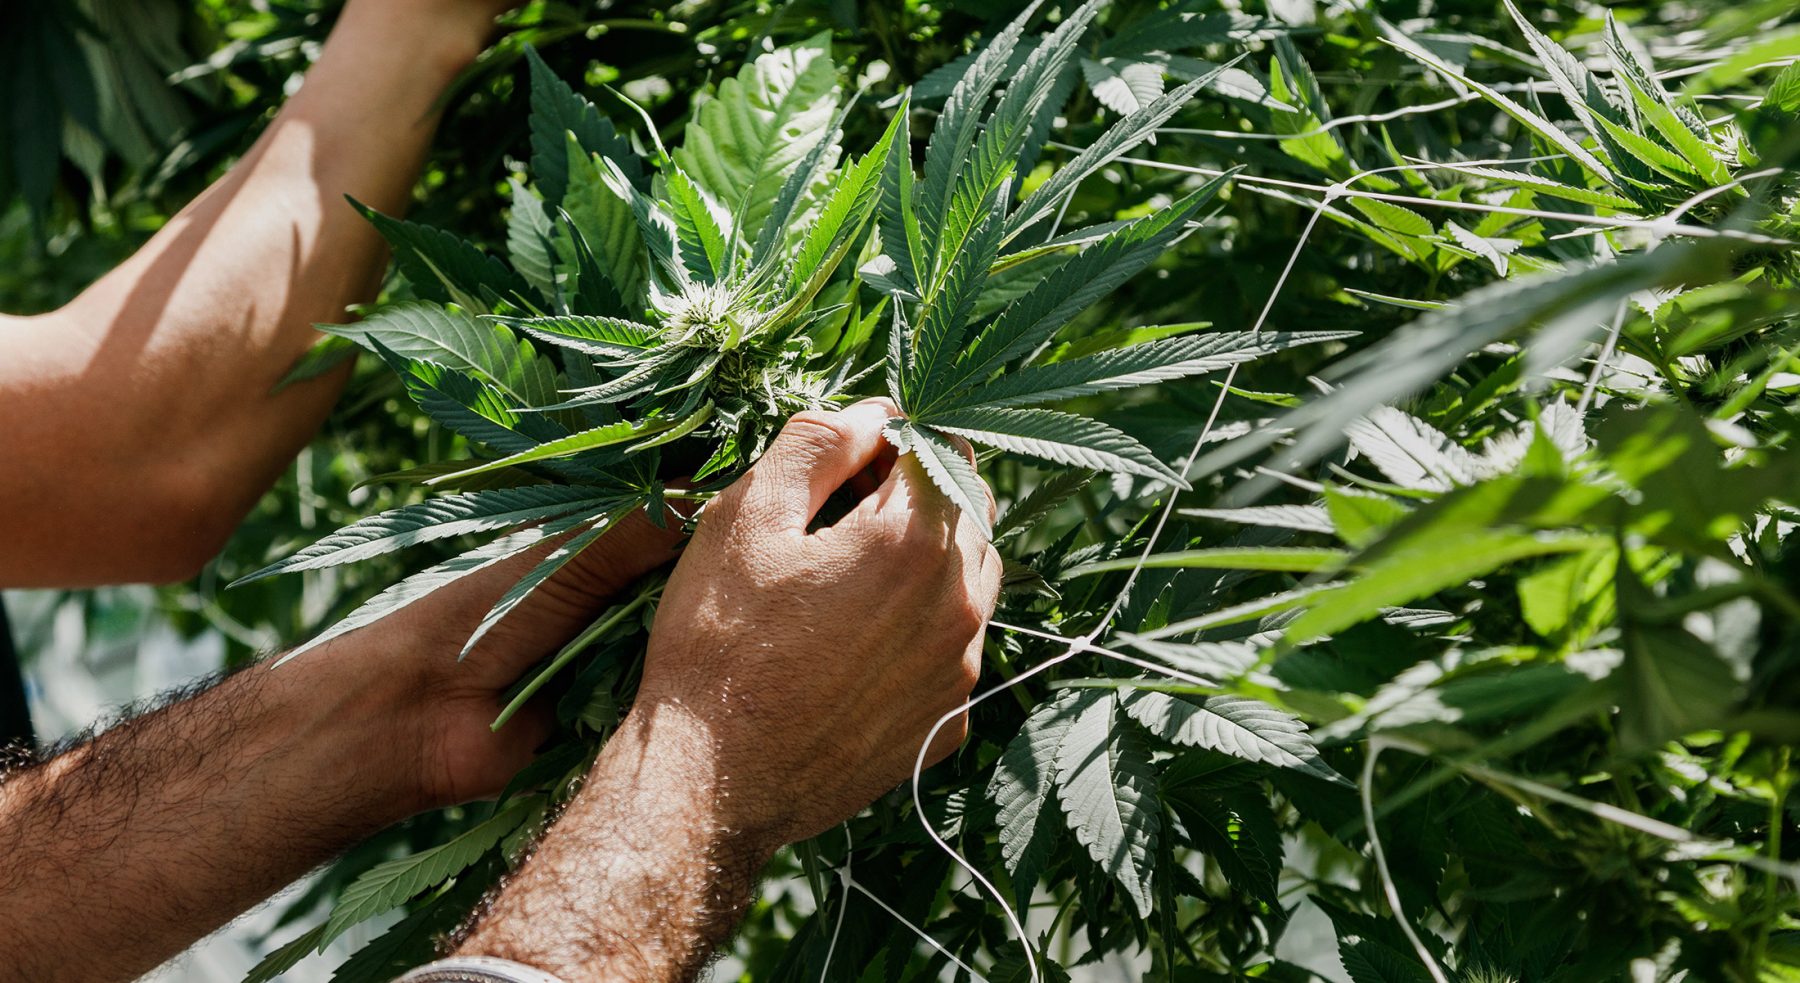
143	416
119	853
640	880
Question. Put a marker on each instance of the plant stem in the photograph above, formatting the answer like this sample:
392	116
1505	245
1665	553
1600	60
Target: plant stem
1781	783
594	632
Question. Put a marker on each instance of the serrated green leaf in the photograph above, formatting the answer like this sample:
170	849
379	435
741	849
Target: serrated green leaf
790	206
603	521
603	208
286	956
1532	121
1572	79
1696	152
530	239
1290	559
1108	792
902	240
455	340
1545	186
944	315
1361	516
839	227
389	885
700	228
605	435
1042	500
1118	140
1138	365
1236	829
1784	92
324	356
1652	154
558	111
443	267
1055	436
448	572
946	466
1302	518
1025	777
985	165
1423	568
1303	126
744	142
1236	725
601	336
469	405
1410	452
1370	961
429	521
1071	289
1672	683
955	132
1123	85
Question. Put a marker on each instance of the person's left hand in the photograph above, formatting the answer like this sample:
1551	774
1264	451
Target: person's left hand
445	708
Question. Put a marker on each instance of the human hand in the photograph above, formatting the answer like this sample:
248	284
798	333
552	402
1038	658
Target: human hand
444	708
792	677
818	662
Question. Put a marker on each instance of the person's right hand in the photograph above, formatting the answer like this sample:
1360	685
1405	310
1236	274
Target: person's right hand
818	662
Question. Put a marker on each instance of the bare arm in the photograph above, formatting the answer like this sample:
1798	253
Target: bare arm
141	422
791	679
122	852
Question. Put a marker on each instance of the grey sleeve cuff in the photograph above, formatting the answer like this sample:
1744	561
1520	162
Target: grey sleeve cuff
476	969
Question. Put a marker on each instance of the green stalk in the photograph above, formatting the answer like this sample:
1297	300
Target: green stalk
594	631
1781	783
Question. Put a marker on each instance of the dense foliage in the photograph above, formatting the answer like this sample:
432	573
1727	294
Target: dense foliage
1461	615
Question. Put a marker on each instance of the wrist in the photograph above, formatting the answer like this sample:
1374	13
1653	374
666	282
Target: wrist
685	748
644	874
441	36
374	714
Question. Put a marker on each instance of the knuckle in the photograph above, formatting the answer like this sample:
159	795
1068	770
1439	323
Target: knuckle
968	619
817	428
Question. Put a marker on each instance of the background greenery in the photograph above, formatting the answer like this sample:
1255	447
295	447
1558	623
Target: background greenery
1568	636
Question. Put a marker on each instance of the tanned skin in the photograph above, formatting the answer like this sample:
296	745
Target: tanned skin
791	678
142	421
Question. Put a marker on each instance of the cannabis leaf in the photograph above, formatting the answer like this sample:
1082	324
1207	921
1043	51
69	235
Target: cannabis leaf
1108	792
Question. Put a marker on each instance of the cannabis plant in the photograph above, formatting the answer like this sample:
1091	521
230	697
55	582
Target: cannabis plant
665	312
1464	656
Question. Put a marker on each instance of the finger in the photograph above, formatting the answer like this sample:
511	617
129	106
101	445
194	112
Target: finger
868	481
968	453
814	455
909	493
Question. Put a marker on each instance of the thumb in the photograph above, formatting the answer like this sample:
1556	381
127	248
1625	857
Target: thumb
813	456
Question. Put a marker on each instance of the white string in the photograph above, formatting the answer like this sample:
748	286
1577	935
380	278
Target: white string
843	904
935	944
1658	226
1612	336
1086	642
1365	791
1606	352
1600	810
